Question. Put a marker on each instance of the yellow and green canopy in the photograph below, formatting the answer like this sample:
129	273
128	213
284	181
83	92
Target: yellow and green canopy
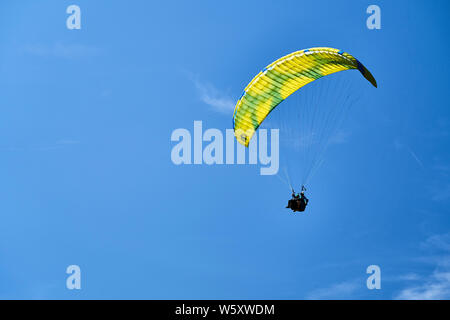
282	78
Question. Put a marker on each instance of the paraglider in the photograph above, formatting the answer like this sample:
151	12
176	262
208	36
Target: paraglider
298	202
280	79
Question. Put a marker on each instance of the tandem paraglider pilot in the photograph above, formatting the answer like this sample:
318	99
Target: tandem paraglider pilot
298	202
276	83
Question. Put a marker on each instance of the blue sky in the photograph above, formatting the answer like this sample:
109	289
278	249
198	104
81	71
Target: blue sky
87	177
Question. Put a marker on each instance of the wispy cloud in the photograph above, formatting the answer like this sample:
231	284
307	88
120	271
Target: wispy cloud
402	277
415	157
408	277
343	290
438	241
442	168
59	50
400	145
437	284
442	193
436	287
213	97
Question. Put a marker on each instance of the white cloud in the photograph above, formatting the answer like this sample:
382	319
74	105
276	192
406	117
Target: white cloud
402	277
436	287
438	241
442	193
343	290
400	145
211	96
414	155
409	277
437	284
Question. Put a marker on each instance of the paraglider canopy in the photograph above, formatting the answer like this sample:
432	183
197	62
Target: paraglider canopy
283	77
